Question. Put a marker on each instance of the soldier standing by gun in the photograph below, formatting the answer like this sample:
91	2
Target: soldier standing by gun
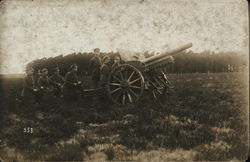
57	81
94	67
105	70
71	84
117	61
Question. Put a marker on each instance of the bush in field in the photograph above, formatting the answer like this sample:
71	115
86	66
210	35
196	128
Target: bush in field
166	131
67	152
217	150
58	128
166	155
110	152
175	132
17	138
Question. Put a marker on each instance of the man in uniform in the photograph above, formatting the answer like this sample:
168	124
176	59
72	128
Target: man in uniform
117	61
94	67
57	81
29	85
44	82
71	83
45	87
105	70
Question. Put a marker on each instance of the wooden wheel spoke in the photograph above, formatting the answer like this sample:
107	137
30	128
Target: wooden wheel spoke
158	82
121	75
131	75
135	87
133	93
117	89
155	96
123	98
115	77
134	81
164	75
126	73
130	97
162	81
115	84
152	83
159	91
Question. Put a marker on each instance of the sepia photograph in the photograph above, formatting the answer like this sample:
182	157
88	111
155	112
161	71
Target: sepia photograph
124	80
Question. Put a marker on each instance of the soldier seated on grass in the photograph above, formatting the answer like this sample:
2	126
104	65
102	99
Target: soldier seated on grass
57	81
45	86
44	83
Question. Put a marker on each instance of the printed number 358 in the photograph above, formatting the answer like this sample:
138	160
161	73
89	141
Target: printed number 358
28	130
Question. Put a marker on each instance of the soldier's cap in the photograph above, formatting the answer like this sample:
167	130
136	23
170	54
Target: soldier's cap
44	70
105	58
96	49
72	66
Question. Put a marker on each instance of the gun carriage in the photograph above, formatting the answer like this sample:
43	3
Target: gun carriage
127	82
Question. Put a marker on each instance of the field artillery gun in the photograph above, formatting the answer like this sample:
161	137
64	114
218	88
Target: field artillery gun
127	82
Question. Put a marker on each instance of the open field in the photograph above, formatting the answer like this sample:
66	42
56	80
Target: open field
205	117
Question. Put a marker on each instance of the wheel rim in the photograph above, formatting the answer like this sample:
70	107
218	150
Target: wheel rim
125	84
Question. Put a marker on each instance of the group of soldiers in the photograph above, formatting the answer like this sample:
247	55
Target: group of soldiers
99	68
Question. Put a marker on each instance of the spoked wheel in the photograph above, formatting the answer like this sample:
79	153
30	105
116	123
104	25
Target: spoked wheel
158	94
125	84
158	89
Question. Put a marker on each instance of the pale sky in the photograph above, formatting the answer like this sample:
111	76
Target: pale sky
46	28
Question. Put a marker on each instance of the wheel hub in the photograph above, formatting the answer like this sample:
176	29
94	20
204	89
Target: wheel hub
124	84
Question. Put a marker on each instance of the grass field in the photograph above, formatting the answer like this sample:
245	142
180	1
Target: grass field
205	117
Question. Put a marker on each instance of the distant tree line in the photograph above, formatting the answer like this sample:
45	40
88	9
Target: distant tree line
185	62
205	62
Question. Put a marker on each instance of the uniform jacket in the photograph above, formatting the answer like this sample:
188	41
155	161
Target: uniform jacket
70	79
105	70
94	66
44	81
57	79
28	85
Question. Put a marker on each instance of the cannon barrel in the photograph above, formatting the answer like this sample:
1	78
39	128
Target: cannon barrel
157	62
154	59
